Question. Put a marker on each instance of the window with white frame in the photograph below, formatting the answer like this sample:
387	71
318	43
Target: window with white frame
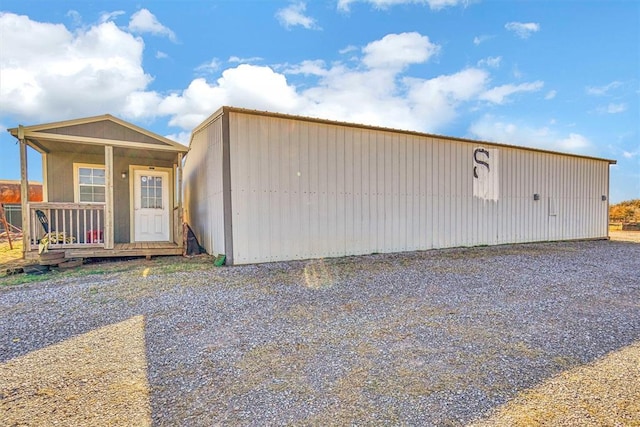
89	183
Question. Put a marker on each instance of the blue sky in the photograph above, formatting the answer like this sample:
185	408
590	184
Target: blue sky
556	75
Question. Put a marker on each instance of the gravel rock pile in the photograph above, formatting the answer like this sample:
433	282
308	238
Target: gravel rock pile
424	338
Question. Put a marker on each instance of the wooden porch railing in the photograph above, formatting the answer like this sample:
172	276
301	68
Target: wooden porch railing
66	225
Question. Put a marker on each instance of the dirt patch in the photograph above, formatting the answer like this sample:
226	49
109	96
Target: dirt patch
603	393
625	236
10	257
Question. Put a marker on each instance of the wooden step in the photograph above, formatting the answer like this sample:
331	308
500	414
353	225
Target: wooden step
51	258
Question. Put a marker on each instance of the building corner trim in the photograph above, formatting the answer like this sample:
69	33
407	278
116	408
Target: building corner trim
226	189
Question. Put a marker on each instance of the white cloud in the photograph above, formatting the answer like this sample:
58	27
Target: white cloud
499	94
345	5
550	95
293	15
489	128
349	94
140	105
51	73
314	68
435	101
481	39
75	16
612	108
574	142
180	137
59	74
348	49
144	21
602	90
491	61
209	67
516	72
161	55
629	155
396	51
236	59
110	16
369	96
523	29
616	108
248	86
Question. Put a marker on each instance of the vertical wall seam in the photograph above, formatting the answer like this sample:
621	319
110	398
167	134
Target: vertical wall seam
226	188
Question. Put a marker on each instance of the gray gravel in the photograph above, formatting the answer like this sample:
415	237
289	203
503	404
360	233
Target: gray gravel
423	338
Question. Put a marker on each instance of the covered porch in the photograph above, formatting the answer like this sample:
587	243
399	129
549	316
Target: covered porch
65	221
110	189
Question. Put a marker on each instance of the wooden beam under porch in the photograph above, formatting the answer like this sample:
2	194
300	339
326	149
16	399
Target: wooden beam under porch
121	250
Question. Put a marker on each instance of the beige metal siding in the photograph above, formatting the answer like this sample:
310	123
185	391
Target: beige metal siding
203	189
304	189
576	187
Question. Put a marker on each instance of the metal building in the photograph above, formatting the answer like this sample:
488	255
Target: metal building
262	187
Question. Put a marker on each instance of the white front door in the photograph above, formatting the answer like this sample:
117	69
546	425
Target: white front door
151	204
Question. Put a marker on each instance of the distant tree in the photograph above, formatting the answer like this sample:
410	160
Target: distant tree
627	211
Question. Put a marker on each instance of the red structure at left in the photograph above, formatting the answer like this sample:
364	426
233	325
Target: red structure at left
10	201
10	192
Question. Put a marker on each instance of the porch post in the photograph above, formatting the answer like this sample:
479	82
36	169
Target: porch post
179	189
179	227
24	193
108	197
45	174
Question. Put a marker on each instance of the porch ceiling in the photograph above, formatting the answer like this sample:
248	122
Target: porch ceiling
47	142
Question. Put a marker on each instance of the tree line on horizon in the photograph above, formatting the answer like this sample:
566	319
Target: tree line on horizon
625	212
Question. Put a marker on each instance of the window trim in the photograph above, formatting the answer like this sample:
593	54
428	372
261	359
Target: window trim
76	181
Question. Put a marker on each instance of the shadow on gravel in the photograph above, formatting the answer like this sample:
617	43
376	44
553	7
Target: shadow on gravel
97	378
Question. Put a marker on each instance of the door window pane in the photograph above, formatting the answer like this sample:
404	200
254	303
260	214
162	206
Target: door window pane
151	192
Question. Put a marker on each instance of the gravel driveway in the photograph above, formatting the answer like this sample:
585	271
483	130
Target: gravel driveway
424	338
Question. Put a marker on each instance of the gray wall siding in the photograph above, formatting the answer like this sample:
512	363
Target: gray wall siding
203	189
60	173
122	201
303	189
104	129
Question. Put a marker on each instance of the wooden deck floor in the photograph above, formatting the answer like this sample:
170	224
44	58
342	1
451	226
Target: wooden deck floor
127	249
120	250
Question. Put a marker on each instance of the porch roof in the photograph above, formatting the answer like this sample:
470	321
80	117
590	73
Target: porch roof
94	131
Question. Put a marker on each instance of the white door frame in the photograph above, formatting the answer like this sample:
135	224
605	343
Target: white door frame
132	201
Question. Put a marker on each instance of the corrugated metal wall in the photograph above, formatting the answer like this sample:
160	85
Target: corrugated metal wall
203	189
303	189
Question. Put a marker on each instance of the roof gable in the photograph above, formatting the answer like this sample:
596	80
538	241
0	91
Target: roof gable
105	127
